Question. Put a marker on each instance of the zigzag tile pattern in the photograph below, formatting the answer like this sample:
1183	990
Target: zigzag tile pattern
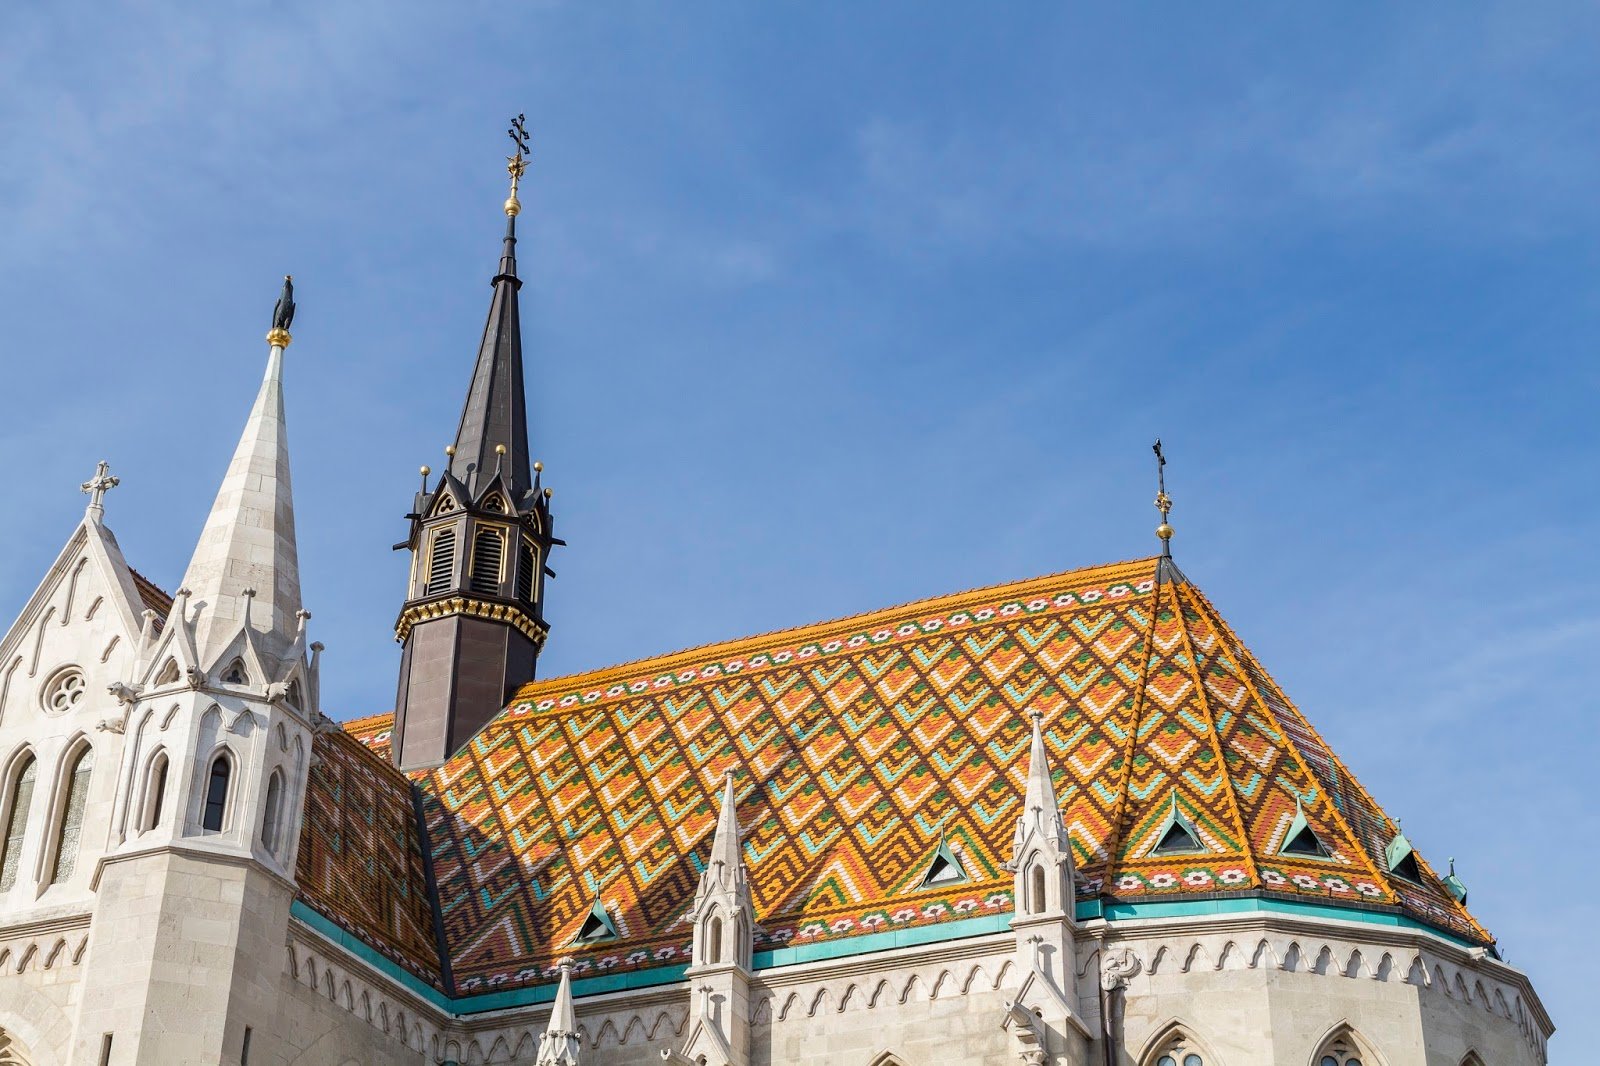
360	862
857	744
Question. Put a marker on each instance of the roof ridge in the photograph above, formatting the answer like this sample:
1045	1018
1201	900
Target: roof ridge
345	736
790	632
1113	844
1244	651
1214	618
1246	845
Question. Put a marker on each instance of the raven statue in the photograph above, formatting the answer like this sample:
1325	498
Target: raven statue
283	311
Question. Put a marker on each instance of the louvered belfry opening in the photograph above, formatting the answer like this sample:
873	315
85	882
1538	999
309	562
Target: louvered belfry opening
441	562
525	560
488	558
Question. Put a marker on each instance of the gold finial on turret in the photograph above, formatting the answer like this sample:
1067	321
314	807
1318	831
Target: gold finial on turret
1163	501
517	161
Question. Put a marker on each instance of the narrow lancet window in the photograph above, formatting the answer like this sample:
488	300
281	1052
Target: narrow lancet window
72	816
17	822
156	794
216	795
270	819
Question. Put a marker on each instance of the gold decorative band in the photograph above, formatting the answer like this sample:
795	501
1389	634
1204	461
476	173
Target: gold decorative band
278	338
498	612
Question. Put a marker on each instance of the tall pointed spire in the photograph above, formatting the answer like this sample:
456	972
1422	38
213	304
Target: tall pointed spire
725	845
1040	806
495	414
247	549
560	1043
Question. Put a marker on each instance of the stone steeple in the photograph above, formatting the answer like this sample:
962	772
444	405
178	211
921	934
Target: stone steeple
559	1044
473	621
723	918
245	566
1045	1009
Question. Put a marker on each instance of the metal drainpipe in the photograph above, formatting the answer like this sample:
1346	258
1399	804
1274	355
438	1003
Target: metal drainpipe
1109	1045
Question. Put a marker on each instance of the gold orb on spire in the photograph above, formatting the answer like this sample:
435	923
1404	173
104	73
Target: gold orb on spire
450	450
499	449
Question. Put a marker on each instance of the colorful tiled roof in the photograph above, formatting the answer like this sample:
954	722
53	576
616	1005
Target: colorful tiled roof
361	861
858	745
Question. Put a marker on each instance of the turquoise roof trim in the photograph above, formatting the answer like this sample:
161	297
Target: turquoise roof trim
844	947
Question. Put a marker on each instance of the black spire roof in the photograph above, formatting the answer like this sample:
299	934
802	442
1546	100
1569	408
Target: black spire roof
496	410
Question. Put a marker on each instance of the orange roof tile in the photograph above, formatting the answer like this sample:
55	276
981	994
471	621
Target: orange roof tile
858	744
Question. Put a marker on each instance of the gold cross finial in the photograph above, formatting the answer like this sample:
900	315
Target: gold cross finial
1163	501
98	486
517	161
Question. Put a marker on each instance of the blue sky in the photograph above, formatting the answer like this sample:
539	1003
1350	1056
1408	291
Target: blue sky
831	307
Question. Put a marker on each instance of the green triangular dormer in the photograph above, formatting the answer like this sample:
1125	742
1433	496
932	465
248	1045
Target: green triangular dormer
1178	835
597	926
1402	857
1301	840
944	868
1453	885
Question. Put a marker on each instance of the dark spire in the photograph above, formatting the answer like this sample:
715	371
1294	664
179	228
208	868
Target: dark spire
473	621
496	410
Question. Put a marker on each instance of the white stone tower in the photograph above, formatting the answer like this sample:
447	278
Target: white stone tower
219	709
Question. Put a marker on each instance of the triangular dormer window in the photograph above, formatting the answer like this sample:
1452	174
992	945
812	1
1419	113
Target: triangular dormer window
236	674
1178	835
169	673
597	926
495	502
1402	858
446	504
1302	840
945	868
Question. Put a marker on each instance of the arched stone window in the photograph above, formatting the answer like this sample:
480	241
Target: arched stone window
17	802
73	804
1344	1047
216	806
1176	1046
1036	889
714	939
155	792
272	816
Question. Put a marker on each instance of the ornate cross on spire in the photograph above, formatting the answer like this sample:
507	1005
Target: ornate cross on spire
517	161
1163	501
97	487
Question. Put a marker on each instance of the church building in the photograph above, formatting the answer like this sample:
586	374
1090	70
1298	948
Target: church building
1069	820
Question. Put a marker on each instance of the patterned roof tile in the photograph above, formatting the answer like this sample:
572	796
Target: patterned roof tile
858	745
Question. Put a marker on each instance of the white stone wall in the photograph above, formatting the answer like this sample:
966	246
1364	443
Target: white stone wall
40	977
1241	990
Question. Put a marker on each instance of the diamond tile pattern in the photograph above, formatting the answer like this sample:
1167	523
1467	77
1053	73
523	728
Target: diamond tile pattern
856	745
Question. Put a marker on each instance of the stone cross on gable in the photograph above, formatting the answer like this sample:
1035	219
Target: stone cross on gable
97	487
